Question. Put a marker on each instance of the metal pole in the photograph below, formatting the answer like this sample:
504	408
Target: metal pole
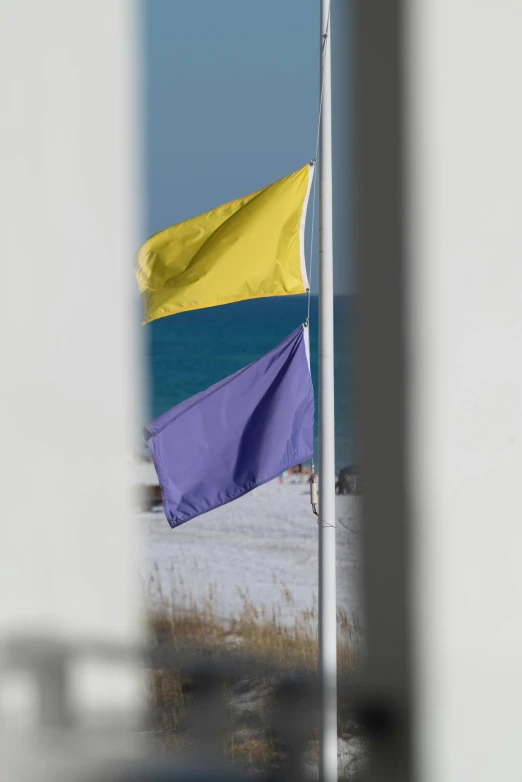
327	580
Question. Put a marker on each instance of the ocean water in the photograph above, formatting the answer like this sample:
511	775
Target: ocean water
188	352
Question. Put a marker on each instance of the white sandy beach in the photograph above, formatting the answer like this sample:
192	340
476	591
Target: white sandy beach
263	545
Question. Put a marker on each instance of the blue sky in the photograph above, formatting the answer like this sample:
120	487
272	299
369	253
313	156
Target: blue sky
230	104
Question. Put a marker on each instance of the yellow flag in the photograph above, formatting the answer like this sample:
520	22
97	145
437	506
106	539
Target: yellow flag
247	249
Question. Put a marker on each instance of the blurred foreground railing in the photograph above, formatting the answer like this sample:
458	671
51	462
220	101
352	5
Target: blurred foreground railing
67	740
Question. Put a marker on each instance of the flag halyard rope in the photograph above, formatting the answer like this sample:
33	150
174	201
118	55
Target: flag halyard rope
324	37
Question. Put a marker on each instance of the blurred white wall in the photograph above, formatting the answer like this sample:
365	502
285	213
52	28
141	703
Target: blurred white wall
68	391
464	68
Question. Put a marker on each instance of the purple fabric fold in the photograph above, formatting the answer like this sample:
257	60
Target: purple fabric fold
238	434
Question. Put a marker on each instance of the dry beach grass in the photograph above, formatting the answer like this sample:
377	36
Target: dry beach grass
190	625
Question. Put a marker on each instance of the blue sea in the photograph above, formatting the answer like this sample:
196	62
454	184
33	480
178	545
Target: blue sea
188	352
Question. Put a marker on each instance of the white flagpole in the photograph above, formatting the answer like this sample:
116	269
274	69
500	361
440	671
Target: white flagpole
327	579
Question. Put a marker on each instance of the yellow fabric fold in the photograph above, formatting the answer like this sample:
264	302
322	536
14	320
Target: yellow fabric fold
246	249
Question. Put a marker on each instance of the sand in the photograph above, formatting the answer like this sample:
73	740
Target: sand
264	546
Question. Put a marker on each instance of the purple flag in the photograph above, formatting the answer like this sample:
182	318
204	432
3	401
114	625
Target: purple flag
236	435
